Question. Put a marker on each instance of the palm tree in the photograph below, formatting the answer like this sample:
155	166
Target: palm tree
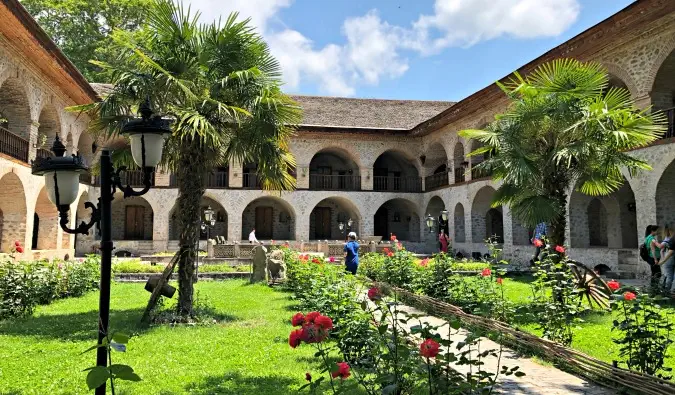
564	127
220	86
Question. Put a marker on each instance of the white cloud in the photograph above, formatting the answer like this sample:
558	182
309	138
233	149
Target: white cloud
372	50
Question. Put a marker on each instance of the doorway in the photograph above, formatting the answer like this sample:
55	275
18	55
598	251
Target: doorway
263	223
134	224
382	223
322	223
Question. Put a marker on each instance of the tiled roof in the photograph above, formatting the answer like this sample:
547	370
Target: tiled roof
357	113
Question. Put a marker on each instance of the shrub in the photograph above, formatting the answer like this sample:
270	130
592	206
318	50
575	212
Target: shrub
24	285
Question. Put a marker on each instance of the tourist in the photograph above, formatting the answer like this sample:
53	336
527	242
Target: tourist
251	237
351	254
538	240
443	239
667	263
654	250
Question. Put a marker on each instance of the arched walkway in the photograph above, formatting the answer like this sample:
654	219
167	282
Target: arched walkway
459	163
398	217
434	207
665	190
436	167
12	212
326	216
459	227
394	172
486	222
663	90
15	108
271	217
475	160
46	223
604	221
133	218
219	229
49	128
334	169
85	148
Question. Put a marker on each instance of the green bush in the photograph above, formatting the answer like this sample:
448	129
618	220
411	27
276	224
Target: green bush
24	285
135	266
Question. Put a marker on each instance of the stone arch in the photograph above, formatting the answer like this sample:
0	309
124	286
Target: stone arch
334	168
458	160
12	212
435	166
399	217
272	217
15	107
219	229
475	160
603	221
46	224
394	170
665	190
49	126
619	78
597	223
665	54
434	208
85	147
486	221
663	85
459	226
133	218
326	216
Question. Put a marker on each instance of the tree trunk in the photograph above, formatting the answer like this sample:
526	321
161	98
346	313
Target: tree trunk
190	175
557	187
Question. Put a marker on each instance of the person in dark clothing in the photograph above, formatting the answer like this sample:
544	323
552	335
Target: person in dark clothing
351	254
654	250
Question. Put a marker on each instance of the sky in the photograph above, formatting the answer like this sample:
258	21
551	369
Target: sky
408	49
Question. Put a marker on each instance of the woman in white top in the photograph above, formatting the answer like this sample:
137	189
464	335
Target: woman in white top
251	237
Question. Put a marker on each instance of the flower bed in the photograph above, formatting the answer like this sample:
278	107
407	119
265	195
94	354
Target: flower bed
24	285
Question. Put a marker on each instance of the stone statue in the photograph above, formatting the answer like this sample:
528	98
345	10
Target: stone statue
259	264
276	268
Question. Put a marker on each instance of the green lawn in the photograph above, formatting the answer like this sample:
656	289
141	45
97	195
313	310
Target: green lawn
247	353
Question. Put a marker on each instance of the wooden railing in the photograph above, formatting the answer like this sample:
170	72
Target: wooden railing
397	184
43	153
13	145
459	175
218	179
478	173
251	181
436	181
133	178
329	182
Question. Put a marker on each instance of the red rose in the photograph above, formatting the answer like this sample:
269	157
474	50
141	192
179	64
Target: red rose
295	338
560	249
17	244
393	237
324	322
390	254
342	371
331	259
310	317
538	243
500	280
308	376
613	285
298	319
486	272
374	294
629	296
312	333
429	348
19	249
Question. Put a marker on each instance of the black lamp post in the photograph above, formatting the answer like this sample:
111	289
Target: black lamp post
61	174
206	224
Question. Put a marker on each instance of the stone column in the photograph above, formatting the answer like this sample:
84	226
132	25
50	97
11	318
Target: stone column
302	173
236	178
33	139
643	101
162	177
234	226
366	178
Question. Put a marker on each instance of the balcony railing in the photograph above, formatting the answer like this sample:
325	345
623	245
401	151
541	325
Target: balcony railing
13	145
459	175
670	115
218	179
436	181
133	178
477	173
397	184
327	182
251	181
43	153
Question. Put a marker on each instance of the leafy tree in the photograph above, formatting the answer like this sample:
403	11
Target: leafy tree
83	28
565	127
220	86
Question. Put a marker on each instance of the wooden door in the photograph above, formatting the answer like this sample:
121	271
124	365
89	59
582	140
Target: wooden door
263	223
322	223
134	224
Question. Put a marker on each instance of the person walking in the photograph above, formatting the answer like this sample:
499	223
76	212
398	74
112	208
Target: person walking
538	240
443	239
351	254
667	263
251	237
654	252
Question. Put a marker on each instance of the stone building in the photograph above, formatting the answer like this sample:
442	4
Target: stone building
384	164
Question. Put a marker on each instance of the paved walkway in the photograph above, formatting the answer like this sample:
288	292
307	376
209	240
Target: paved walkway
538	380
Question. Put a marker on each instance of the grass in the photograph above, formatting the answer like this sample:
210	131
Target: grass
245	353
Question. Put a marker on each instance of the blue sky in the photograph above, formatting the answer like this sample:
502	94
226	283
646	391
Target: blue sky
413	49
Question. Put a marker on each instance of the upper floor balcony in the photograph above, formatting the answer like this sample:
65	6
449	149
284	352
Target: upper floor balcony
13	145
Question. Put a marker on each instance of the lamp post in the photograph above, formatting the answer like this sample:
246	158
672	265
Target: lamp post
206	224
341	226
430	223
61	174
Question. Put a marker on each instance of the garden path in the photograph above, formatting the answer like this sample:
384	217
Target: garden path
538	380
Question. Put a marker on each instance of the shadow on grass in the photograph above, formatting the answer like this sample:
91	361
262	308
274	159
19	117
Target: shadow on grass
74	327
235	383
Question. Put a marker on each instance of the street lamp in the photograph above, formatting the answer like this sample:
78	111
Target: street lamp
61	174
430	223
206	225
